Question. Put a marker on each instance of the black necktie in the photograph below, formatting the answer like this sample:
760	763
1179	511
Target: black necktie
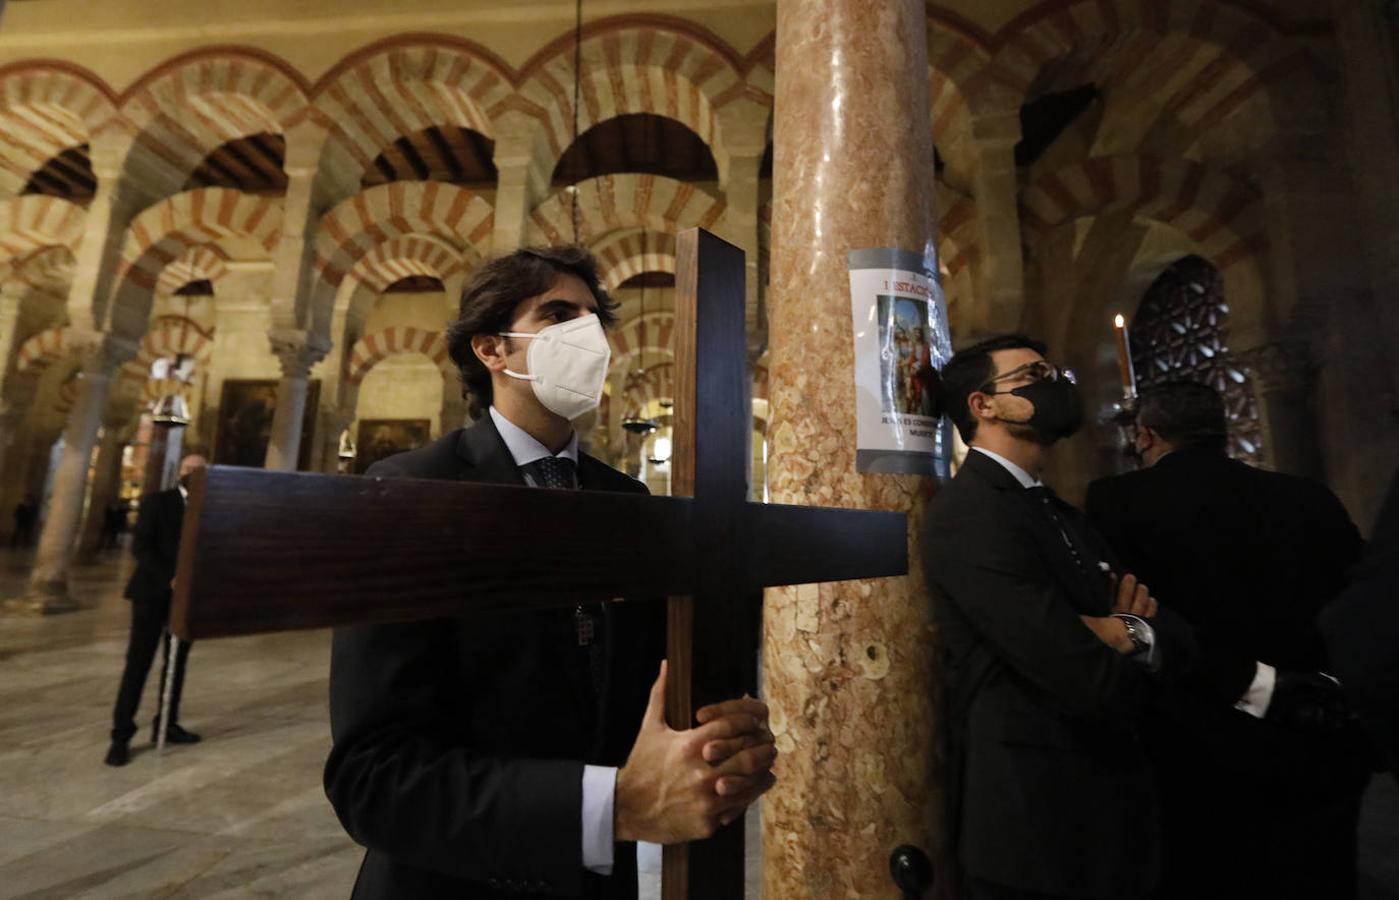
558	472
1077	547
554	472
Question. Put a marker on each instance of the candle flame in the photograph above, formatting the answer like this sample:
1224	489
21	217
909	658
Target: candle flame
1119	321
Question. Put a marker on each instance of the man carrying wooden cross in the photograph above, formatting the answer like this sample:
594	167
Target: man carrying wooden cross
520	752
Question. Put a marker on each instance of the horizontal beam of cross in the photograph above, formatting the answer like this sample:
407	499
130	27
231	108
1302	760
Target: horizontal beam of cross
294	550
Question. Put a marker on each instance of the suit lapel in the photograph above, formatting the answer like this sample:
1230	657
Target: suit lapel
1048	540
484	457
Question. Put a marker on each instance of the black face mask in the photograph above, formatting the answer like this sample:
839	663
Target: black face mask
1058	408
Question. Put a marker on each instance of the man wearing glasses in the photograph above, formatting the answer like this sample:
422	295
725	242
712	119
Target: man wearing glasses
1051	651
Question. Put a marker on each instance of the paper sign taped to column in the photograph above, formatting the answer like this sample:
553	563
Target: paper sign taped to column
901	340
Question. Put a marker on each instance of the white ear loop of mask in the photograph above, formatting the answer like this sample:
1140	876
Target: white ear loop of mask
524	334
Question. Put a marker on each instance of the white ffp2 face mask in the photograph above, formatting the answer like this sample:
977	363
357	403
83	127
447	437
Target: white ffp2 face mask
567	364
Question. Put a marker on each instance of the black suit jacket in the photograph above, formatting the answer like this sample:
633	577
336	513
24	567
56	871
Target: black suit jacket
1249	558
156	546
459	744
1361	628
1050	787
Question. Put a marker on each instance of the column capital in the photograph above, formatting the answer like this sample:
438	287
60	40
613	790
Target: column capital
101	354
298	350
1281	366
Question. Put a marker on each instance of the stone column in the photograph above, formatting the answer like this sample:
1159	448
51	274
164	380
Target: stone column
106	480
10	413
744	128
848	667
997	188
48	584
298	352
1284	380
521	181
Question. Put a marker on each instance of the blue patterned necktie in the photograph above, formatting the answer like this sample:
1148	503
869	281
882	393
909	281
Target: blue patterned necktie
554	472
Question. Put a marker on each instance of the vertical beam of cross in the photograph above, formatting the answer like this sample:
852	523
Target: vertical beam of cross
711	427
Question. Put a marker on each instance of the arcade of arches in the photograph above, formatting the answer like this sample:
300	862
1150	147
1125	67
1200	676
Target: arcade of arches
274	224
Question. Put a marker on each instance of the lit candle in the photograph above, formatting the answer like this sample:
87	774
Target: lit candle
1124	358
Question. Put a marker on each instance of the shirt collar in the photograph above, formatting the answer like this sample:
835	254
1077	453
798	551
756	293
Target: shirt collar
523	447
184	492
1025	478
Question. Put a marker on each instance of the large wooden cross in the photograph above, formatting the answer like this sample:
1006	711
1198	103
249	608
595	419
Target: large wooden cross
272	551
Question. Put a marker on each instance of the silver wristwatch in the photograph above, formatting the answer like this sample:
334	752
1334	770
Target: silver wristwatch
1136	634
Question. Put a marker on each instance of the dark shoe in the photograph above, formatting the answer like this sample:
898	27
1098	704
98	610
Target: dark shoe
176	735
119	754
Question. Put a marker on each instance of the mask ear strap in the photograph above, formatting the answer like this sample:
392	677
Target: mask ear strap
521	375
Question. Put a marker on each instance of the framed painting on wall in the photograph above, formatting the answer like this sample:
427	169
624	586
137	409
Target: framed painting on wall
246	407
378	439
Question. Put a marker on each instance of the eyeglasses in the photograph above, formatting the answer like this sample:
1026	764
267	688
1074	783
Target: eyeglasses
1039	370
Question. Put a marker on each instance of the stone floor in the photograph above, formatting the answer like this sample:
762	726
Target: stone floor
240	815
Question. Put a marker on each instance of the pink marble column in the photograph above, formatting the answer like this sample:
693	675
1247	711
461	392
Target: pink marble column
847	666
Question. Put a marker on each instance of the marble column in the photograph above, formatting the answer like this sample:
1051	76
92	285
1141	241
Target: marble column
1284	380
997	188
297	352
48	583
10	412
848	667
106	480
521	181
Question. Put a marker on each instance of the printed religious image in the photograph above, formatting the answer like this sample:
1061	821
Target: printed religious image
381	438
905	361
246	408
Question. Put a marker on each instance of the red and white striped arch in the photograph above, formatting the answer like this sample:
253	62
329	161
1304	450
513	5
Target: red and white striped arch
47	271
958	68
1219	213
46	108
41	350
395	340
35	221
1207	58
958	243
207	262
655	383
192	104
356	227
394	89
653	333
412	254
612	202
169	336
167	231
663	67
624	254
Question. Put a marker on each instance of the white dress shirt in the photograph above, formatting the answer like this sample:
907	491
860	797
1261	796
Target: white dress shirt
1150	659
599	782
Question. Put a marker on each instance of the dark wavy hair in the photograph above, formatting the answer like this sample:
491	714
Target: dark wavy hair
490	297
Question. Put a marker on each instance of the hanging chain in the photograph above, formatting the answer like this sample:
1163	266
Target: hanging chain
577	84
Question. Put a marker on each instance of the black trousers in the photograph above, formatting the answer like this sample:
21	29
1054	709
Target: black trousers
1227	835
148	622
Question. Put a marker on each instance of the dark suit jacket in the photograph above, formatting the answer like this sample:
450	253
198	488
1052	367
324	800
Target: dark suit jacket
1361	628
1053	791
1249	558
459	744
156	546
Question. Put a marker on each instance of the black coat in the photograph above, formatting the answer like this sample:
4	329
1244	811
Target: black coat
156	546
1249	558
459	744
1052	790
1361	628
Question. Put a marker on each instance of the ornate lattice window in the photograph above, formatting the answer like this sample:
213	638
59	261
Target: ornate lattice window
1180	331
